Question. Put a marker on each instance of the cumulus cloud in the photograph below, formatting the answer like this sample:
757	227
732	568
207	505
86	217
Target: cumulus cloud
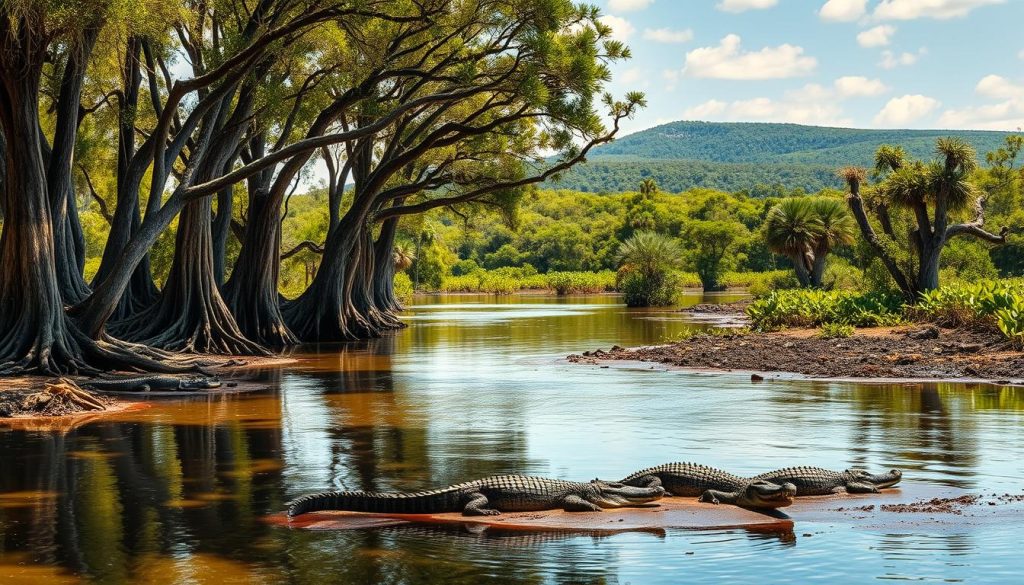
938	9
1007	114
622	29
998	87
762	109
667	35
905	110
879	36
628	5
744	5
728	61
843	10
892	60
858	86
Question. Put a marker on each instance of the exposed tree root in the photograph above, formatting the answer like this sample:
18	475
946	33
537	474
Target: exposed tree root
58	398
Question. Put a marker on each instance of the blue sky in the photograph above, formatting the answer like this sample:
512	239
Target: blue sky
951	64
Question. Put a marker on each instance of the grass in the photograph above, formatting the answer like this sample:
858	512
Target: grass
503	282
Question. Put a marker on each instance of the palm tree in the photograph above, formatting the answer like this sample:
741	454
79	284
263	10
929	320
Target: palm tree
646	262
403	255
648	187
792	229
836	229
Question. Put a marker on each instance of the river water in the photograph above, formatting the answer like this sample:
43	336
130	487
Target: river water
177	493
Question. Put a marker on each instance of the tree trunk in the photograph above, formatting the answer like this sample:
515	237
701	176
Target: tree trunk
384	268
221	231
36	335
325	312
800	267
928	268
251	293
69	242
364	278
141	292
191	314
818	268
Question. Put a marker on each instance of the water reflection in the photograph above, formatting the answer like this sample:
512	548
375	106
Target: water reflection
476	386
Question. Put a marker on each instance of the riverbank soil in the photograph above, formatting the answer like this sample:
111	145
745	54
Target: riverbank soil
914	352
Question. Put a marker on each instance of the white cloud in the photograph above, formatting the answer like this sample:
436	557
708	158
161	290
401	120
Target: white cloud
667	35
744	5
857	86
763	109
997	87
1007	114
892	60
630	76
938	9
1020	55
705	111
727	61
628	5
843	10
622	29
905	110
879	36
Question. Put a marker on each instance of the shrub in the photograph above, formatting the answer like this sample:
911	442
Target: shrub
759	284
403	288
639	290
835	331
811	308
646	275
565	283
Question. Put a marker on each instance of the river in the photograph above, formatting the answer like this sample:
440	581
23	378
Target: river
478	385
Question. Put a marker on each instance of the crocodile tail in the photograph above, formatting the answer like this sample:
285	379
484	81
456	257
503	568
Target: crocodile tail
431	502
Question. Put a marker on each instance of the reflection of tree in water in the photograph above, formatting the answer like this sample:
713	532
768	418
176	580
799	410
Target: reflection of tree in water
922	425
118	492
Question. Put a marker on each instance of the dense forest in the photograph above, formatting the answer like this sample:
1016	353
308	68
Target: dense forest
757	157
191	122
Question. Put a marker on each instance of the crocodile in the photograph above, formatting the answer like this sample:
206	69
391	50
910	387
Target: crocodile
713	485
151	383
815	481
485	497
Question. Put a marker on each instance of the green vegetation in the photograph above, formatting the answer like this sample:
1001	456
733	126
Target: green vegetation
835	331
805	230
647	265
993	302
761	159
813	308
510	280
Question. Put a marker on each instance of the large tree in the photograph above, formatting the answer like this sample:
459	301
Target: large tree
941	199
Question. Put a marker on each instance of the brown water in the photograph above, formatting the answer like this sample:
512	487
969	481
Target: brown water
475	386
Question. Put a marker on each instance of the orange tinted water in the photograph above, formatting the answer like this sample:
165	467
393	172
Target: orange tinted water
177	493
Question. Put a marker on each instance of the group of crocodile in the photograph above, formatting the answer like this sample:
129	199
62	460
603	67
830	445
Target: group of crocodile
517	493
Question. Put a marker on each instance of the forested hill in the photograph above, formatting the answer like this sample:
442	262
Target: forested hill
738	156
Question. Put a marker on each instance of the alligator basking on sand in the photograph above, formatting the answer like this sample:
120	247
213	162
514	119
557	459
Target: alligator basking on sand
151	383
815	481
486	497
713	485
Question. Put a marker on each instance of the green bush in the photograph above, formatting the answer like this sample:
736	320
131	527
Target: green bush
835	331
403	288
566	283
812	308
759	284
640	290
998	303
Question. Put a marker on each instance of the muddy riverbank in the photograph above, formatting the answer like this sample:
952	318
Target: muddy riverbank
915	352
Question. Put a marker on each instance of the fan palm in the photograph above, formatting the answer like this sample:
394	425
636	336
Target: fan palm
836	229
403	255
792	229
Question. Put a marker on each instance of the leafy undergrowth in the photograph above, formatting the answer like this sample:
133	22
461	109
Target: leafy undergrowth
502	281
997	304
813	308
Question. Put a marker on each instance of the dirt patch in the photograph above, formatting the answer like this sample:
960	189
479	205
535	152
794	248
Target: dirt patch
735	308
957	505
900	353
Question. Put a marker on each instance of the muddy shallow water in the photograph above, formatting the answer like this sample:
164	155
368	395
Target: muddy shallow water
177	493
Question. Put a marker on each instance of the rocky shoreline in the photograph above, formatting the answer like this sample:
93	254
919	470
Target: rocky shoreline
906	353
